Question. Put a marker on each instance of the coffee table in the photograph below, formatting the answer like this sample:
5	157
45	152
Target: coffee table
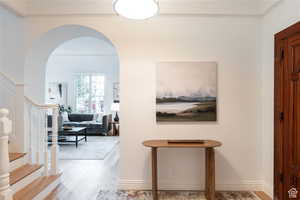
64	135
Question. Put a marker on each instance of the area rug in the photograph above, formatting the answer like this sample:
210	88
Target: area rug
173	195
93	149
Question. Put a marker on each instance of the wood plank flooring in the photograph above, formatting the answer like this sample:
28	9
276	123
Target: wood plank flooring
263	195
83	179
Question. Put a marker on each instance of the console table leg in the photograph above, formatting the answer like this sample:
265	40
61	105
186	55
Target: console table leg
210	173
154	173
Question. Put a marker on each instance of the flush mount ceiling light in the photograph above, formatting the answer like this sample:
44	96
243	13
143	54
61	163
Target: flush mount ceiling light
136	9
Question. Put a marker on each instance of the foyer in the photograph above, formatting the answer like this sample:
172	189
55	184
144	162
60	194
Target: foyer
182	73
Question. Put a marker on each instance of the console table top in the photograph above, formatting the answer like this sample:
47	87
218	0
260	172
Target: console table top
189	144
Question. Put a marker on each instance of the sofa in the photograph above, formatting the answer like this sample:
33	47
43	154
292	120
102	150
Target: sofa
94	128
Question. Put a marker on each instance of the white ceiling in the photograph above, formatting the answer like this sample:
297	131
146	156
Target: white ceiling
95	7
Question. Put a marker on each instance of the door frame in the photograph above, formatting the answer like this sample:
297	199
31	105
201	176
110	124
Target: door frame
280	64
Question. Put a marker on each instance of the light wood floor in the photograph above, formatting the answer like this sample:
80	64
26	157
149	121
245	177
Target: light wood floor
83	179
263	196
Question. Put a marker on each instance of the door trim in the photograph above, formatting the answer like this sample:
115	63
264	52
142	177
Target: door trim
288	32
280	63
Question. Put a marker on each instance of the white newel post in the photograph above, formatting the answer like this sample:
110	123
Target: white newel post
54	148
5	130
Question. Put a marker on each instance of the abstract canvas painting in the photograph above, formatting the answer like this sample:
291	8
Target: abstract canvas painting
186	92
57	93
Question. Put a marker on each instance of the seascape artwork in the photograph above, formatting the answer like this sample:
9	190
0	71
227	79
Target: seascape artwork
186	92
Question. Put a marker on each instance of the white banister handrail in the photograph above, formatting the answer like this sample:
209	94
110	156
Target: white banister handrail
43	106
11	80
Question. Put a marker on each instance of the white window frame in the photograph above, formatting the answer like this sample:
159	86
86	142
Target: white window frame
90	86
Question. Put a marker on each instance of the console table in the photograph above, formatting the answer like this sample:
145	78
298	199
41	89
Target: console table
208	145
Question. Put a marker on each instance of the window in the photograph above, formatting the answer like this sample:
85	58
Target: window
89	91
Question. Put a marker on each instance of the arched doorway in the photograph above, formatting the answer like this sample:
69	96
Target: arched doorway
39	53
102	172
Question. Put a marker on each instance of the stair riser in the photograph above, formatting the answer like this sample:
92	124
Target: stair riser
18	163
27	180
42	195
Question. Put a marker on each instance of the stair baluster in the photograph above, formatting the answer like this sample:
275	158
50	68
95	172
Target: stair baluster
54	147
45	144
38	131
37	136
5	130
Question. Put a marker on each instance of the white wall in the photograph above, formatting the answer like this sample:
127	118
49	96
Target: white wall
11	45
233	43
67	61
280	17
12	66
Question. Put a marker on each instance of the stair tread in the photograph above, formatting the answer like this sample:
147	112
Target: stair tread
53	194
34	188
15	156
20	173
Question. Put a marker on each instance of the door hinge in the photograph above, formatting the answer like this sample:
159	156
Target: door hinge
282	54
281	177
281	116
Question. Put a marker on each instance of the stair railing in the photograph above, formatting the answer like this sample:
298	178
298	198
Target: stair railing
40	134
35	116
5	130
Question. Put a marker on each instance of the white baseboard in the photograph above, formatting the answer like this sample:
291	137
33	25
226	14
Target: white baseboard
268	189
167	185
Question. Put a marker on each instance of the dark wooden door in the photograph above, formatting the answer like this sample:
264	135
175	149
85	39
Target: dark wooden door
287	114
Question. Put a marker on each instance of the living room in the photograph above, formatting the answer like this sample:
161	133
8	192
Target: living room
82	77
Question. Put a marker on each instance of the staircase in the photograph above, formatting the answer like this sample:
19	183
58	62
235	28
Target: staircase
23	128
27	181
33	175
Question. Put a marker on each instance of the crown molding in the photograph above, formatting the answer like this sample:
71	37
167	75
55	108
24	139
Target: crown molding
269	5
28	8
33	8
83	55
11	9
